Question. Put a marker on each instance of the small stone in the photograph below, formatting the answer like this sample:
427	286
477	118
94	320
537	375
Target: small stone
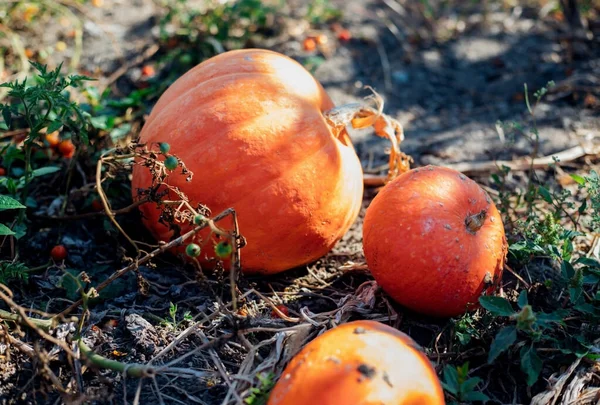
400	77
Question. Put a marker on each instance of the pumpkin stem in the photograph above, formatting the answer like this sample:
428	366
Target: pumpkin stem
363	116
475	222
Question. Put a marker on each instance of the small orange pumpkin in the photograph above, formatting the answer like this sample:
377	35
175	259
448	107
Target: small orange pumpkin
434	241
360	362
249	124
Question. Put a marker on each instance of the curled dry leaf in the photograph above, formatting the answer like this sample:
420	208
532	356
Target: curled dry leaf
361	116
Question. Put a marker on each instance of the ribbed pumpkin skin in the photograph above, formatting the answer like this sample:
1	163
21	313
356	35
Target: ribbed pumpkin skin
417	245
249	125
359	363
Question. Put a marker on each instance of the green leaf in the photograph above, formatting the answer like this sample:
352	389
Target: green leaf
463	338
545	194
531	364
100	122
462	371
450	382
497	305
71	282
575	294
578	179
582	207
523	299
5	230
6	115
9	203
470	385
592	356
588	261
567	269
42	171
474	396
54	126
567	250
20	230
555	317
503	340
120	132
122	103
586	308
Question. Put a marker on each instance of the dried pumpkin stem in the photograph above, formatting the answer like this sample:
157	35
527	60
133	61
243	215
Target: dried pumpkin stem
362	116
475	222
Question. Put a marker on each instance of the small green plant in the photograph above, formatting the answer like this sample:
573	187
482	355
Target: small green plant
11	271
592	184
40	108
545	224
232	21
259	395
530	324
465	329
456	381
8	203
171	321
577	281
321	12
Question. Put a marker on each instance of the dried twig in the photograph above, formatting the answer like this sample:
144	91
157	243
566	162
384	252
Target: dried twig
33	324
147	54
77	217
163	248
516	165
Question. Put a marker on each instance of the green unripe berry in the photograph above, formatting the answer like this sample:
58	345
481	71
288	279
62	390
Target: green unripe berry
199	219
164	147
223	249
192	250
171	163
185	59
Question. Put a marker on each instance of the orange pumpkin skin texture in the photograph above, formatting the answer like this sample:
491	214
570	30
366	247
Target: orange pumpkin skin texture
249	125
359	363
422	245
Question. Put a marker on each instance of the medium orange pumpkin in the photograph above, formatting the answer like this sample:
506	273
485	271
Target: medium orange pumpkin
434	241
360	362
249	124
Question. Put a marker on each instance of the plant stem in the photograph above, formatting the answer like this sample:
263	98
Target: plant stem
38	268
475	222
132	369
44	324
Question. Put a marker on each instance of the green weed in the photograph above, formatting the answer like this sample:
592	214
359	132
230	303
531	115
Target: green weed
456	381
259	395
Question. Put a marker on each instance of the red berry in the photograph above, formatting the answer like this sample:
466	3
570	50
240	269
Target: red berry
97	205
58	253
344	35
309	44
67	149
282	308
148	71
2	171
53	139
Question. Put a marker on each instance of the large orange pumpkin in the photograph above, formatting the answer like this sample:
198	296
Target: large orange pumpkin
249	124
434	241
360	362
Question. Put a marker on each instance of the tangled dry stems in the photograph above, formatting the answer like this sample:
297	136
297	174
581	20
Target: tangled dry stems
72	337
